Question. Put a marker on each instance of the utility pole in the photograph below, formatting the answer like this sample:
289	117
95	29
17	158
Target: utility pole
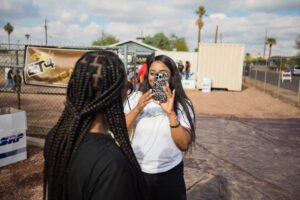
216	35
102	35
265	43
46	36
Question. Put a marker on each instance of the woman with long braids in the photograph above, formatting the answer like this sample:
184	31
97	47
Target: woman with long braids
163	130
88	153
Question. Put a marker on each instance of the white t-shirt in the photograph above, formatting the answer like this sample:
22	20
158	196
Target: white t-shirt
152	143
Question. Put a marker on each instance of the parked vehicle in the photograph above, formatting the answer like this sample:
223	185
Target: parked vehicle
295	70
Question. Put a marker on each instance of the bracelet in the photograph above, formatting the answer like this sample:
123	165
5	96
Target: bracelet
176	126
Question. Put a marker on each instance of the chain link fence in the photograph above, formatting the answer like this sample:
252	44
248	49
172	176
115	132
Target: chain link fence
282	85
43	105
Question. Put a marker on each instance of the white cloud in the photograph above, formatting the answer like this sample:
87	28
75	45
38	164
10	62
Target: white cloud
66	16
271	5
251	31
229	6
79	22
13	9
218	16
83	18
74	34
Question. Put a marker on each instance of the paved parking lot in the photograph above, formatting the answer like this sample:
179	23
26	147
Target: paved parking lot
238	158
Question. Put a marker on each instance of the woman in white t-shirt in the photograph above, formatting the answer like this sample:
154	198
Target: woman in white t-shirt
162	131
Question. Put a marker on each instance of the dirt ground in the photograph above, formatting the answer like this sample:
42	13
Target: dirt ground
250	103
23	180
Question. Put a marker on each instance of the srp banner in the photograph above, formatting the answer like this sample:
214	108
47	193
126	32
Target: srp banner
50	66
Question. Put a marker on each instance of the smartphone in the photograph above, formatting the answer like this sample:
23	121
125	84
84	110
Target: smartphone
160	81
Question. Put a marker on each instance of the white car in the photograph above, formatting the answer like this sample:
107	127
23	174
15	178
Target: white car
295	70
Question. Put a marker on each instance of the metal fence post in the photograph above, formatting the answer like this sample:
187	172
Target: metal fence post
18	84
279	77
298	102
250	71
278	85
135	70
125	55
255	77
265	82
244	73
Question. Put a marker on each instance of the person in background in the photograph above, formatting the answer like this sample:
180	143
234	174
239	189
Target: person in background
141	73
187	69
163	131
17	80
180	67
130	75
9	84
88	153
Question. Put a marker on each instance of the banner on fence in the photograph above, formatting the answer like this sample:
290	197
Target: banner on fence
50	66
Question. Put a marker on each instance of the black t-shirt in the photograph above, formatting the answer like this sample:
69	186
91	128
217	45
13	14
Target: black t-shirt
101	171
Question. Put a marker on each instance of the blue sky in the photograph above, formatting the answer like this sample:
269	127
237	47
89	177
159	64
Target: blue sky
79	22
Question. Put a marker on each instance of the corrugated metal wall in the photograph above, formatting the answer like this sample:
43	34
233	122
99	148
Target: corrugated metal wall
223	64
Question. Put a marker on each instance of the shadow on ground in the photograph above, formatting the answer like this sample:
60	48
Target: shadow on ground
214	188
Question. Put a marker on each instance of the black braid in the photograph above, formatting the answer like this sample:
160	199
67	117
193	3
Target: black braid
94	87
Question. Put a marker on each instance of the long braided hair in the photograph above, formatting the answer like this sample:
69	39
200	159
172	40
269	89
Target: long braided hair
95	87
175	83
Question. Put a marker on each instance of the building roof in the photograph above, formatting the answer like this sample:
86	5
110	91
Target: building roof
137	42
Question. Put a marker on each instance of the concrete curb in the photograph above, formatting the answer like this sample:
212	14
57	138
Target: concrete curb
37	142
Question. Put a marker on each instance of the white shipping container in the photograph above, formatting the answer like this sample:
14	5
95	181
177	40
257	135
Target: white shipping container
223	64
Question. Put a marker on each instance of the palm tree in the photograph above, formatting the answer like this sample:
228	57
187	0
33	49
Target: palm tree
201	12
270	42
9	29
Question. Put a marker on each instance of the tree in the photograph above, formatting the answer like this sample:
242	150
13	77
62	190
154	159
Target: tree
180	45
106	39
270	42
159	40
248	58
9	29
200	12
